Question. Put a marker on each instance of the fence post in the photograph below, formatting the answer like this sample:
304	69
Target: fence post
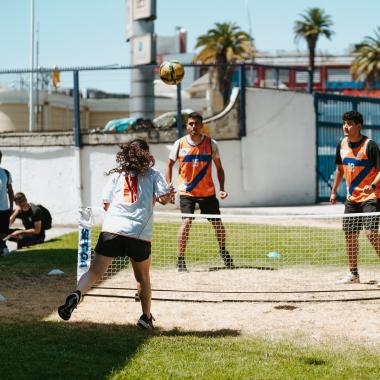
242	116
316	123
77	140
179	111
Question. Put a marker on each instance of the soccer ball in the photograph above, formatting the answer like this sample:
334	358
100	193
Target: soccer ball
172	72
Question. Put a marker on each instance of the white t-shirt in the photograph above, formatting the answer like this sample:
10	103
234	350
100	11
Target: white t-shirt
173	155
132	216
4	182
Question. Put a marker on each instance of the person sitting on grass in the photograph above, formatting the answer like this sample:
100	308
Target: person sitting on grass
128	199
31	217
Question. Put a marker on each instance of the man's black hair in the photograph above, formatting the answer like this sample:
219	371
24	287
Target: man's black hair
196	116
20	197
354	116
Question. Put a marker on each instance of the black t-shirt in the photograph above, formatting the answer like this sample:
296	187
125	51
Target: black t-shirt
29	217
373	152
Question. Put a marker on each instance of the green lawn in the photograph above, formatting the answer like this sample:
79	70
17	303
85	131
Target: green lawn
250	244
32	348
46	350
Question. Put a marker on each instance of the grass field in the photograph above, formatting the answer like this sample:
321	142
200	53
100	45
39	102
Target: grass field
38	350
32	348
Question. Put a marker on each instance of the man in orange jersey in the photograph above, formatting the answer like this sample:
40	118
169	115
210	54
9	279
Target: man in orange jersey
358	160
195	153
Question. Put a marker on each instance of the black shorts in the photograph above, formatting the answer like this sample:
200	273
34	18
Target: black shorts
114	245
27	240
4	222
207	205
357	223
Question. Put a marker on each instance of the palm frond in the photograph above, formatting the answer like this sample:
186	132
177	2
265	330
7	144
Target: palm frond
366	64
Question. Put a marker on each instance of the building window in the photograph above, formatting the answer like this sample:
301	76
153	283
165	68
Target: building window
339	75
302	76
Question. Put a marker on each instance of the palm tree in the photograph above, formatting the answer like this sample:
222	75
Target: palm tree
226	43
314	23
367	59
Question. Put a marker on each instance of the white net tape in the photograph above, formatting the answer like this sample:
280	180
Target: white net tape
287	257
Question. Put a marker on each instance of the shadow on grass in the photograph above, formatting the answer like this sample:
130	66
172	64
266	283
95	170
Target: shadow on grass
50	350
38	261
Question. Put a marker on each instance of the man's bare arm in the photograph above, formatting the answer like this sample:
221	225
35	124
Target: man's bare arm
221	177
337	181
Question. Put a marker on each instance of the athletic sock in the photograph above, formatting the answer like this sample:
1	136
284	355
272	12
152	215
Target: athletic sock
79	293
354	271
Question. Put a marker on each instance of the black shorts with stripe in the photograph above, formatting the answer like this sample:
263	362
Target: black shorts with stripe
357	223
114	245
207	205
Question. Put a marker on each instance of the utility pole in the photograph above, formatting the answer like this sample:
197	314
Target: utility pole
31	78
140	33
37	107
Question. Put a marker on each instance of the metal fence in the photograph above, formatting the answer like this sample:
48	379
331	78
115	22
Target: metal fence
104	93
329	110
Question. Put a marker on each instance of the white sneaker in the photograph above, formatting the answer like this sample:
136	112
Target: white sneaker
349	279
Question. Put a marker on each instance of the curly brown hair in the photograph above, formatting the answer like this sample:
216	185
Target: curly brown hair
134	157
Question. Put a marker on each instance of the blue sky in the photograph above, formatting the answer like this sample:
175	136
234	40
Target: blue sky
92	32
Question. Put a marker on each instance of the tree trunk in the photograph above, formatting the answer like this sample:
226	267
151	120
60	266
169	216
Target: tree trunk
312	44
226	78
311	68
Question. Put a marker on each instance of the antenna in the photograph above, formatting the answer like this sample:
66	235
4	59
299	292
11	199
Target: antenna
249	24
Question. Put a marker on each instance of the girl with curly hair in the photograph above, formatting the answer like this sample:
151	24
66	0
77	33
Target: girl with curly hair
128	199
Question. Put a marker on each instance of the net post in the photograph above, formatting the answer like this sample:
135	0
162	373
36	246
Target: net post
84	241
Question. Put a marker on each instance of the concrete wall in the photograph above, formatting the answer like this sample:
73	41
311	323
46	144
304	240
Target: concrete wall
46	175
273	165
280	148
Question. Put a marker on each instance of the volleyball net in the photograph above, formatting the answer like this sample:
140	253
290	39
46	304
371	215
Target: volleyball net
271	254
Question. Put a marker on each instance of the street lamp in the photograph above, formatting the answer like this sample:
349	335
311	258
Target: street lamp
31	100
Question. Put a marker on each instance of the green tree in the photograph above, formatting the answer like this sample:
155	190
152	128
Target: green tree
367	59
314	23
226	43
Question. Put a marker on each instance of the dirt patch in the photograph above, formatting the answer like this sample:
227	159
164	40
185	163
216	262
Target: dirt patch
259	303
30	297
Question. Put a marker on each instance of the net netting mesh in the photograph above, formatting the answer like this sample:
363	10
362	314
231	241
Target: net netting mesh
281	257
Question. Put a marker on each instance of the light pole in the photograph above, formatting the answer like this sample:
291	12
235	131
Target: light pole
31	100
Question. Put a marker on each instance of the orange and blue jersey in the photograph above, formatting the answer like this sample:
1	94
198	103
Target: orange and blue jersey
195	168
358	169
